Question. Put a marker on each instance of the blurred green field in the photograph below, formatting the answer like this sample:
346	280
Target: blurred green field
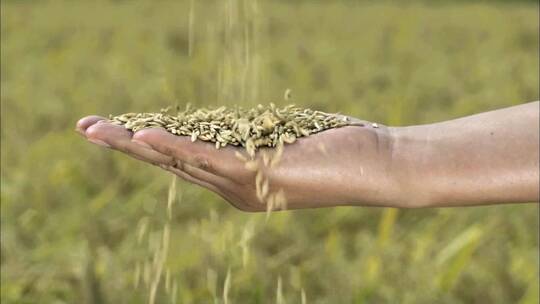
70	210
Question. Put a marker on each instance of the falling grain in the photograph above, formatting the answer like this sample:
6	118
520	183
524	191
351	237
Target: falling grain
171	196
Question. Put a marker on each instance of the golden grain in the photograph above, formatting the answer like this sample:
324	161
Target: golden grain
261	126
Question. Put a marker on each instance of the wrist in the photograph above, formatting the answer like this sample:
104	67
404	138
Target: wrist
386	174
411	152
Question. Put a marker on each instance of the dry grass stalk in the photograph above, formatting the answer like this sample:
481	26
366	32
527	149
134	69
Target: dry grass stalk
159	261
174	291
279	292
227	287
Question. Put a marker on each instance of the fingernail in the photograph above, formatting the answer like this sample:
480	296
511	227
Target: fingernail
142	143
99	142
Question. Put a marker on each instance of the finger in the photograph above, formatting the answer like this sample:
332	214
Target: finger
198	154
85	122
201	174
216	180
192	179
119	138
228	196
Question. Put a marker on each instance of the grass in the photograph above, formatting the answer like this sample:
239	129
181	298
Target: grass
70	210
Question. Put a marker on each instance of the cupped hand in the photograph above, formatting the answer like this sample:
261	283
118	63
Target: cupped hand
345	166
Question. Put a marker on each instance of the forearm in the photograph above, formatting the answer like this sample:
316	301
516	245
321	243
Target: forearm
487	158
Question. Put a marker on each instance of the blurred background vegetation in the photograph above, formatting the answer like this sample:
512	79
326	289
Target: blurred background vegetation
71	212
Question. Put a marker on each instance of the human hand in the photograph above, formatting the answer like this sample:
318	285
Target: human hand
344	166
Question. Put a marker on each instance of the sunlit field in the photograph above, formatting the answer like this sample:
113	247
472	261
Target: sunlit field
79	221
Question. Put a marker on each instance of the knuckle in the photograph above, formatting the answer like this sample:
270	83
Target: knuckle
178	164
167	150
202	162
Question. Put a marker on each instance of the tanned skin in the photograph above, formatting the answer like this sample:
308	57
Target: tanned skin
488	158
